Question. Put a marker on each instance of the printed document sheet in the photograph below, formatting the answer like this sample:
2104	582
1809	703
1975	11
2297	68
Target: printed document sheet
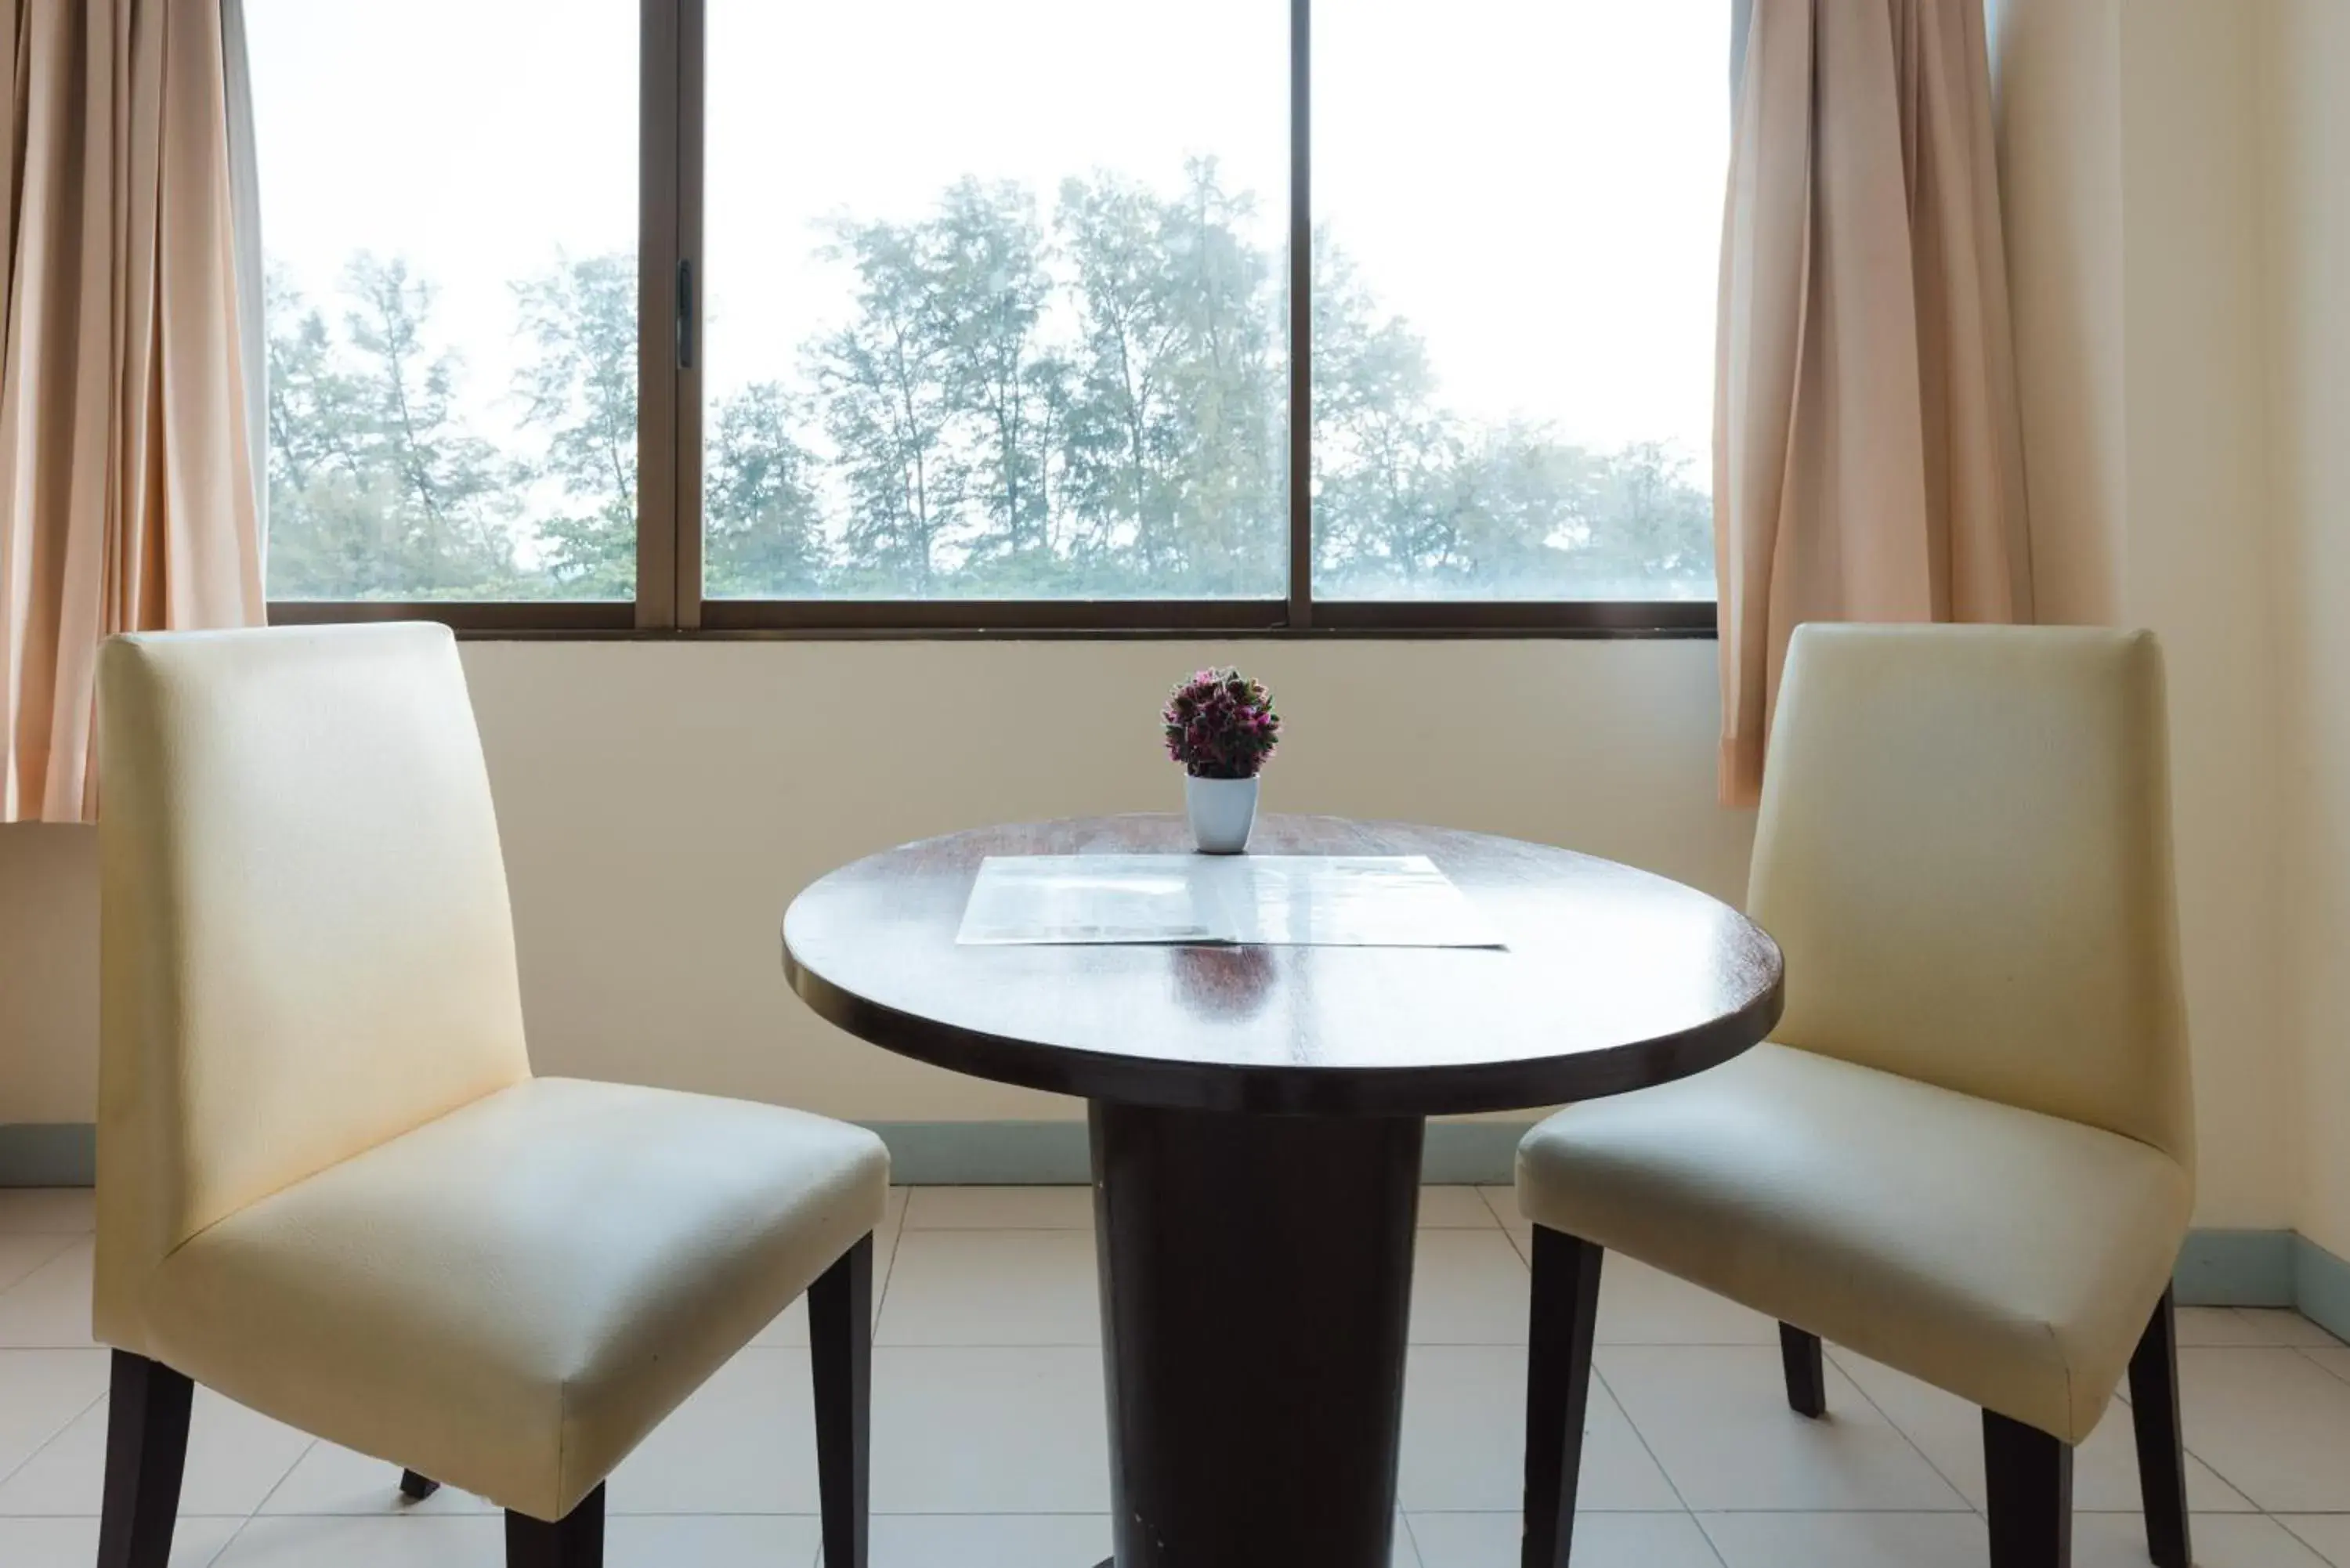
1304	901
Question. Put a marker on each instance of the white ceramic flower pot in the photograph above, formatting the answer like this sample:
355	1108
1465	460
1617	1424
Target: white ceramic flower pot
1223	811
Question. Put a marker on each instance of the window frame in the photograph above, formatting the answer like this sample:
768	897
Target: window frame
668	600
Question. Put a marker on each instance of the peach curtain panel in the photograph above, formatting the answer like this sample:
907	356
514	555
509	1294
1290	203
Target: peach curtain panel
125	471
1868	460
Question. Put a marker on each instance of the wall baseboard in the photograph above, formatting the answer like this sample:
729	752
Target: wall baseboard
1056	1153
2236	1268
987	1154
2216	1267
48	1153
928	1154
2320	1287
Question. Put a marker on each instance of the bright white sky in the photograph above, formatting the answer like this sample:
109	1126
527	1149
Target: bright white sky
1536	184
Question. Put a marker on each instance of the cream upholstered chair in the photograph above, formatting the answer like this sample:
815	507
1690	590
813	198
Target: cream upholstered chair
1969	1153
328	1185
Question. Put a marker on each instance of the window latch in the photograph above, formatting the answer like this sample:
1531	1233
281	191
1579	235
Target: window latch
684	314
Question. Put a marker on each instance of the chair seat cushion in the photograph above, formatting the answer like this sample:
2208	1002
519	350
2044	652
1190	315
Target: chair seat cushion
2009	1257
509	1298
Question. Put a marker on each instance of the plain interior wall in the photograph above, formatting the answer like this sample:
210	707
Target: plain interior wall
2197	563
2058	70
660	803
48	973
2304	63
2131	151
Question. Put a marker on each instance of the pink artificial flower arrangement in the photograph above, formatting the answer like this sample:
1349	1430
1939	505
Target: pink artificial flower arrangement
1221	725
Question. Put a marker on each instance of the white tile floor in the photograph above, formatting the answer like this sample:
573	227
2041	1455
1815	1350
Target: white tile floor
988	1428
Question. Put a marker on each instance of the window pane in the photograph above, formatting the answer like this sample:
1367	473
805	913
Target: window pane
449	218
997	299
1518	209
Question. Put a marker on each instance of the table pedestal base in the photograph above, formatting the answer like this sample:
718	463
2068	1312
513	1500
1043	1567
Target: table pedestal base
1256	1292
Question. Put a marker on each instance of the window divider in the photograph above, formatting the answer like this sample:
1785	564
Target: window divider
672	352
1301	314
661	394
693	314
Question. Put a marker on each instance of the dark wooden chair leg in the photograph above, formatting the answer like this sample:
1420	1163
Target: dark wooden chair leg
1807	1378
2029	1477
1558	1386
2161	1443
146	1450
840	1340
416	1488
575	1541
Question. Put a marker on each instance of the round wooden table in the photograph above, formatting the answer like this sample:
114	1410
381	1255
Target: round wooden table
1256	1115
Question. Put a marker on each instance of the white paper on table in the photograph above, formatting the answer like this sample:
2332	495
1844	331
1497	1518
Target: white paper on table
1306	900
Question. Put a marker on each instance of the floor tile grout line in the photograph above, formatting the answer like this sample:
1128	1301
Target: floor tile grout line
1647	1512
1712	1512
2250	1507
1836	1354
1485	1197
1096	1344
65	1239
2311	1545
491	1513
2121	1399
2233	1485
1087	1230
279	1484
2271	1347
890	1273
2253	1326
1523	1249
619	1511
616	1511
37	1449
1646	1448
1410	1534
1707	1536
233	1535
906	1215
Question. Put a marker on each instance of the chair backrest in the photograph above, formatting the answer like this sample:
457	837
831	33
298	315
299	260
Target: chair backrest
1964	850
307	948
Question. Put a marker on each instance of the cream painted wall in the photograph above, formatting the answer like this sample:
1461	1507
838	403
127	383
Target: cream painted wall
659	802
2304	61
48	973
2197	563
2130	145
2058	66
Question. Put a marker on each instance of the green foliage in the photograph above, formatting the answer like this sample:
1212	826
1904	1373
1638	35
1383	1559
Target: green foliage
1175	435
764	532
1092	402
579	386
373	478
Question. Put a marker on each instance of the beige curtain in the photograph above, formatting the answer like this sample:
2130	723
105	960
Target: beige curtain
1867	459
126	497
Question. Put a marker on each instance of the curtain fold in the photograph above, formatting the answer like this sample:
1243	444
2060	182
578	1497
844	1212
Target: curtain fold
252	293
1868	460
128	492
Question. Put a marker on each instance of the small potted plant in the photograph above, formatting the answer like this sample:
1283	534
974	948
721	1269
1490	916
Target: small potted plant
1222	727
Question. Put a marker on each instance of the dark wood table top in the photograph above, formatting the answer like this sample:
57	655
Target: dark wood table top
1613	979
